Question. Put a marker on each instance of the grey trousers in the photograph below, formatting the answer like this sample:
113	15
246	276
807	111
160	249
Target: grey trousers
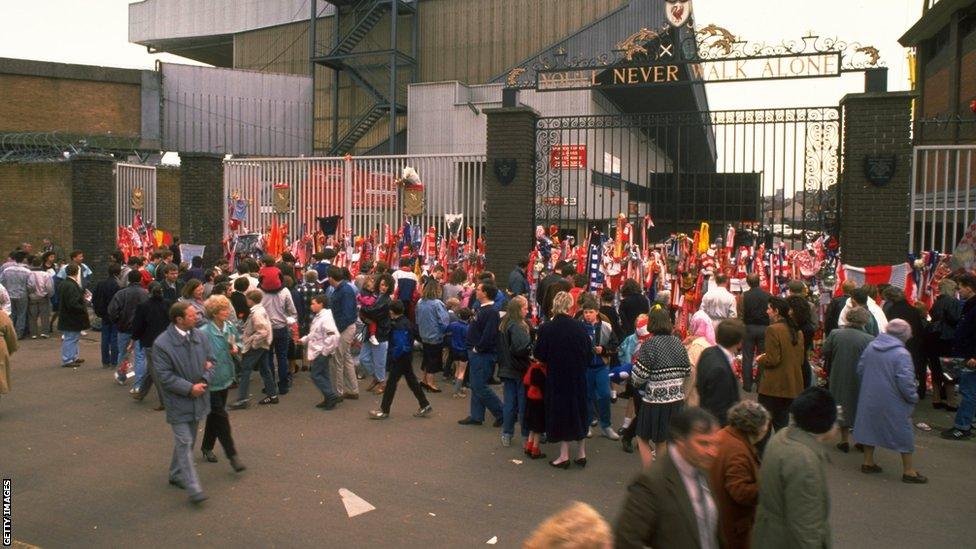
181	467
754	339
151	380
39	316
343	367
18	313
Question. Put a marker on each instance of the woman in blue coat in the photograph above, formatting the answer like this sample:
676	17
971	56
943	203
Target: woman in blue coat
564	346
887	400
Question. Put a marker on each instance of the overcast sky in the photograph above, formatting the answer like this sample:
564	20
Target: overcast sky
95	32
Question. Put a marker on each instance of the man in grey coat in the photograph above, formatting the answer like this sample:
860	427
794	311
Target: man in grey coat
184	364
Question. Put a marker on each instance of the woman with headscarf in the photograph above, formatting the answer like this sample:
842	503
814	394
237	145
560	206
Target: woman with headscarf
843	349
565	348
701	335
887	399
735	472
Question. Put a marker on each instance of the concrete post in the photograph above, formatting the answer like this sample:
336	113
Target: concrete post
93	199
874	219
510	208
202	203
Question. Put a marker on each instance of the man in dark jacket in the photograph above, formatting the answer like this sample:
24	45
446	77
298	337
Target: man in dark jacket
150	321
482	340
72	315
343	306
122	311
543	288
104	292
670	504
715	381
184	363
754	303
170	281
518	281
836	305
964	347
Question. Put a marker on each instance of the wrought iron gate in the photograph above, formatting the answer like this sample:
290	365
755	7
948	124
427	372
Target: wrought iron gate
135	192
774	171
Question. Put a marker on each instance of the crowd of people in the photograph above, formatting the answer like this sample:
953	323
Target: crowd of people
561	355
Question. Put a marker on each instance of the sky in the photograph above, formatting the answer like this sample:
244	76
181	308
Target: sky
95	32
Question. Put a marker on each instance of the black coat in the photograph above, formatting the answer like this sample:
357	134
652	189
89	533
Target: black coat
104	292
718	390
151	319
72	312
901	309
379	313
565	347
632	307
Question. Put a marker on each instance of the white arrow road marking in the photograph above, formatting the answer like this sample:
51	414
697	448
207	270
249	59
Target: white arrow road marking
354	504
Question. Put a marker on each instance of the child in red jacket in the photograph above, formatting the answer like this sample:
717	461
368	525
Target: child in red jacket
535	407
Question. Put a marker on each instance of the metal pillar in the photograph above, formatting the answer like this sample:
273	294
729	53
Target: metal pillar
393	74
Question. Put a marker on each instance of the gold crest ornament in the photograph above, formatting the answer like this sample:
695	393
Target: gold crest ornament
635	43
282	198
137	200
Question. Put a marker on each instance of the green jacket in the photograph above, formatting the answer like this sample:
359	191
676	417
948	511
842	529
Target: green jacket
794	505
224	371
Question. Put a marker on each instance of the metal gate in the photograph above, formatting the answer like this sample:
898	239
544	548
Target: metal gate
364	191
135	193
774	171
943	198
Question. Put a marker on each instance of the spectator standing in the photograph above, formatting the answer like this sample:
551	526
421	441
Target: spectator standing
794	503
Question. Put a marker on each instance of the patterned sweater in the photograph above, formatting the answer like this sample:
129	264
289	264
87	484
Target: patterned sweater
661	368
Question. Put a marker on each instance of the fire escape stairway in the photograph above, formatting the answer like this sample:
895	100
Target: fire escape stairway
366	14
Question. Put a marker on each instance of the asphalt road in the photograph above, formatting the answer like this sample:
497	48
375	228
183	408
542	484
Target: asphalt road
89	468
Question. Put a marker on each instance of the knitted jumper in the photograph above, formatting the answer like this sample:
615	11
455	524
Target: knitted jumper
661	368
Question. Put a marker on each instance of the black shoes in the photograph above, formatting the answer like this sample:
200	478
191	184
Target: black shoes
957	434
844	447
269	400
209	455
580	461
628	445
468	421
918	478
329	403
563	465
498	423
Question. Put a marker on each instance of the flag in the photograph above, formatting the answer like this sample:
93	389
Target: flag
595	253
329	225
899	276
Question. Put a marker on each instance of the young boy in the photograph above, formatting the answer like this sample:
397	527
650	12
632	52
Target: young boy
597	374
269	276
399	364
320	343
458	330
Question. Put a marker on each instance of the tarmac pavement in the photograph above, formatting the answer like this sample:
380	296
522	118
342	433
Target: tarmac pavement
89	468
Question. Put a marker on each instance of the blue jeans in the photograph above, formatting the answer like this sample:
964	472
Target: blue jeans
321	379
514	406
138	356
598	393
110	343
967	405
373	359
279	348
480	366
69	346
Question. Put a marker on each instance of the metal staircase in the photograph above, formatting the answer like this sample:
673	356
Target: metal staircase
355	52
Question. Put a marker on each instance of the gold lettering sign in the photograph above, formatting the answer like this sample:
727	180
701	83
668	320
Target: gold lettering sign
712	71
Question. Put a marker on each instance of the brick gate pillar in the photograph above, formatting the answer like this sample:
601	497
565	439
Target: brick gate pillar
202	203
874	220
93	199
510	208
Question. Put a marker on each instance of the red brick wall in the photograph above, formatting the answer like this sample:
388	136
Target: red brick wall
936	98
36	204
41	104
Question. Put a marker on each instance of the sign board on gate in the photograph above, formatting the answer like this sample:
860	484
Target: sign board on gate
559	201
568	157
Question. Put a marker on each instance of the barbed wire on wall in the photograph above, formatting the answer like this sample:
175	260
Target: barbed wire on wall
59	146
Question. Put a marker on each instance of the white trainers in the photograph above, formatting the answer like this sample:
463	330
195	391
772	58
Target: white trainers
373	340
610	433
589	432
